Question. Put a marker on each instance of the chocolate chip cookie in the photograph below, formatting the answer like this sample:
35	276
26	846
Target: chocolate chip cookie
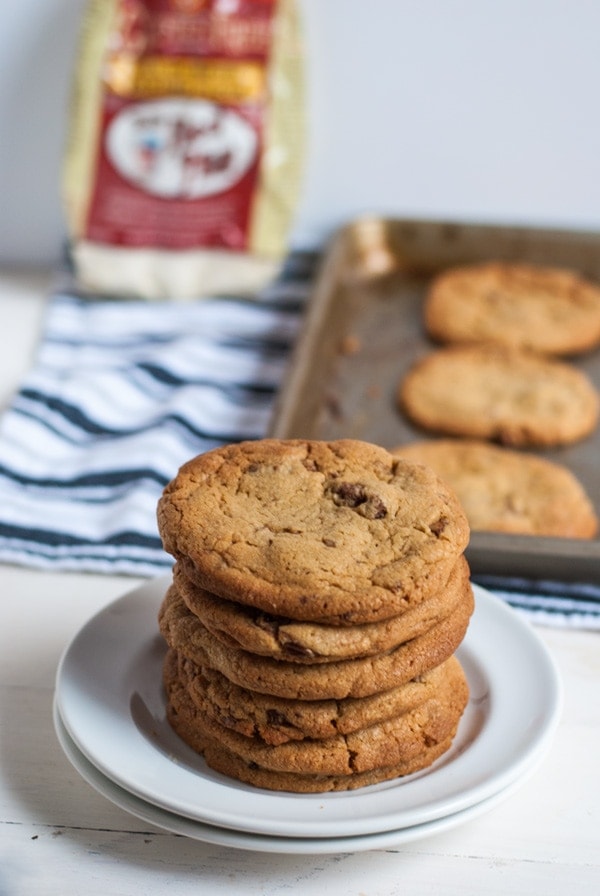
338	531
360	677
400	739
222	760
245	627
542	309
509	396
502	490
275	720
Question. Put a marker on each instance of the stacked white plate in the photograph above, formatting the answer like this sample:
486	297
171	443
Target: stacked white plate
109	714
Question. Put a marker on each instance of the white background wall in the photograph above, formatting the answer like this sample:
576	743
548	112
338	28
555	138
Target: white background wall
469	109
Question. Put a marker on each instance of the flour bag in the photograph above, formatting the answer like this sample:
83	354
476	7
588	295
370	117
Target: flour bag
183	162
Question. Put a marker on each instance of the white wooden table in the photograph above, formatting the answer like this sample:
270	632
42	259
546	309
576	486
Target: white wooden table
58	836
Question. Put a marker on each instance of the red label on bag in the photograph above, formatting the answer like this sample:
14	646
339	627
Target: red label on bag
182	122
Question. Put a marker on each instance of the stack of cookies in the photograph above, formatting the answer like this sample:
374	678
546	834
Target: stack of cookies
319	594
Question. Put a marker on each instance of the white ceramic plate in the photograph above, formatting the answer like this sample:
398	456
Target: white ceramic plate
206	833
111	701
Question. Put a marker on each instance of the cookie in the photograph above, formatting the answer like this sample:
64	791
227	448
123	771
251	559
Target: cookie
227	763
184	632
397	740
338	531
275	720
253	630
540	309
488	392
509	491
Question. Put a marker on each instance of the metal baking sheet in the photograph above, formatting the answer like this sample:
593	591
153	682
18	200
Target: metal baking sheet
363	329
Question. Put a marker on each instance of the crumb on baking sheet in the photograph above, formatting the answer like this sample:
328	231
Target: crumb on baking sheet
350	344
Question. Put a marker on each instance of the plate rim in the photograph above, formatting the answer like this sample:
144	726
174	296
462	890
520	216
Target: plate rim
273	844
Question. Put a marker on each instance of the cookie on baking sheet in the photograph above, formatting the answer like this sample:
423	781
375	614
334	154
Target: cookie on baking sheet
336	531
361	677
542	309
275	720
307	642
489	392
399	739
502	490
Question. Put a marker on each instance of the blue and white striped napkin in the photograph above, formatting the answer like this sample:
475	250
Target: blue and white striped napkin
120	395
553	604
122	392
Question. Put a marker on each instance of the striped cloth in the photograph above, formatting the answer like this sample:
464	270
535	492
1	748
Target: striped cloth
553	604
121	393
